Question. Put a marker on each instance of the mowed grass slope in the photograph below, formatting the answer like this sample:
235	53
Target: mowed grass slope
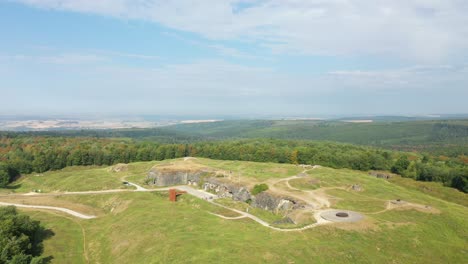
66	241
68	179
255	170
74	179
146	228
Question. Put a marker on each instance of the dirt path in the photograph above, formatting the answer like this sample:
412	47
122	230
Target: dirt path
227	217
311	198
61	209
138	187
391	205
197	193
315	198
69	193
318	218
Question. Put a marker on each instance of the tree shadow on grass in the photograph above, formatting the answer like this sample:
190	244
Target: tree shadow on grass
47	260
13	187
38	247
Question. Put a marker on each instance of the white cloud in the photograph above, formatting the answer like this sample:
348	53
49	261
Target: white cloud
417	78
425	30
218	87
218	48
206	79
214	78
77	58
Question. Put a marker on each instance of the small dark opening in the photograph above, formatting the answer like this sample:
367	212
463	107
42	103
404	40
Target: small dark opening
342	214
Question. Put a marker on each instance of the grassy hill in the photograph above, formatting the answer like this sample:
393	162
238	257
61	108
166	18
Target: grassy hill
143	227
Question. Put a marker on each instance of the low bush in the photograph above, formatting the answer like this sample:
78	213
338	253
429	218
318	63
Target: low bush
258	188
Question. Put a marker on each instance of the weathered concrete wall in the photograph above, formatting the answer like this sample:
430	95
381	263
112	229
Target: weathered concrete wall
264	200
274	203
226	189
223	188
381	175
173	177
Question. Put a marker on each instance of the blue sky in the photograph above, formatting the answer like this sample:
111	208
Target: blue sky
234	57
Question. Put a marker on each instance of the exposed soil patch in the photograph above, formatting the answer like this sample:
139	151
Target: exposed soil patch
403	205
121	167
188	165
364	225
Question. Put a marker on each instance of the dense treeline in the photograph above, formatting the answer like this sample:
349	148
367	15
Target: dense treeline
160	134
440	137
26	154
20	238
447	131
416	132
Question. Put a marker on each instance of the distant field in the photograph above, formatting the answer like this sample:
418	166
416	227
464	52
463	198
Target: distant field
146	228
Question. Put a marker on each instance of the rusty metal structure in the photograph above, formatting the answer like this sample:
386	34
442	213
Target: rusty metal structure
173	193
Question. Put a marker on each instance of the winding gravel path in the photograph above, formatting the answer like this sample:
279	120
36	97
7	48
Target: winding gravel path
209	197
65	210
318	218
197	193
227	217
138	187
315	198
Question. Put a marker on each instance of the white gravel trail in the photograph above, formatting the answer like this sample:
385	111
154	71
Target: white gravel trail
65	210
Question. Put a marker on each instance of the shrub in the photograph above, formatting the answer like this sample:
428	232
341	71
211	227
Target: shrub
258	188
20	238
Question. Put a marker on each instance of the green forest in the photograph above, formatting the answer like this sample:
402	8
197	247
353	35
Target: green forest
437	137
24	153
21	238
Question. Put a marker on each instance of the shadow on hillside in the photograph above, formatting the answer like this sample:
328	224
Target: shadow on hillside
38	247
13	187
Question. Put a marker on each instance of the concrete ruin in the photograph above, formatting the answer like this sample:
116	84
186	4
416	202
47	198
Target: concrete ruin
380	175
226	189
264	200
168	177
222	187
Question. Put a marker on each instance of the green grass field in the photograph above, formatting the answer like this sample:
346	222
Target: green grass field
74	179
69	179
255	170
65	245
141	227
